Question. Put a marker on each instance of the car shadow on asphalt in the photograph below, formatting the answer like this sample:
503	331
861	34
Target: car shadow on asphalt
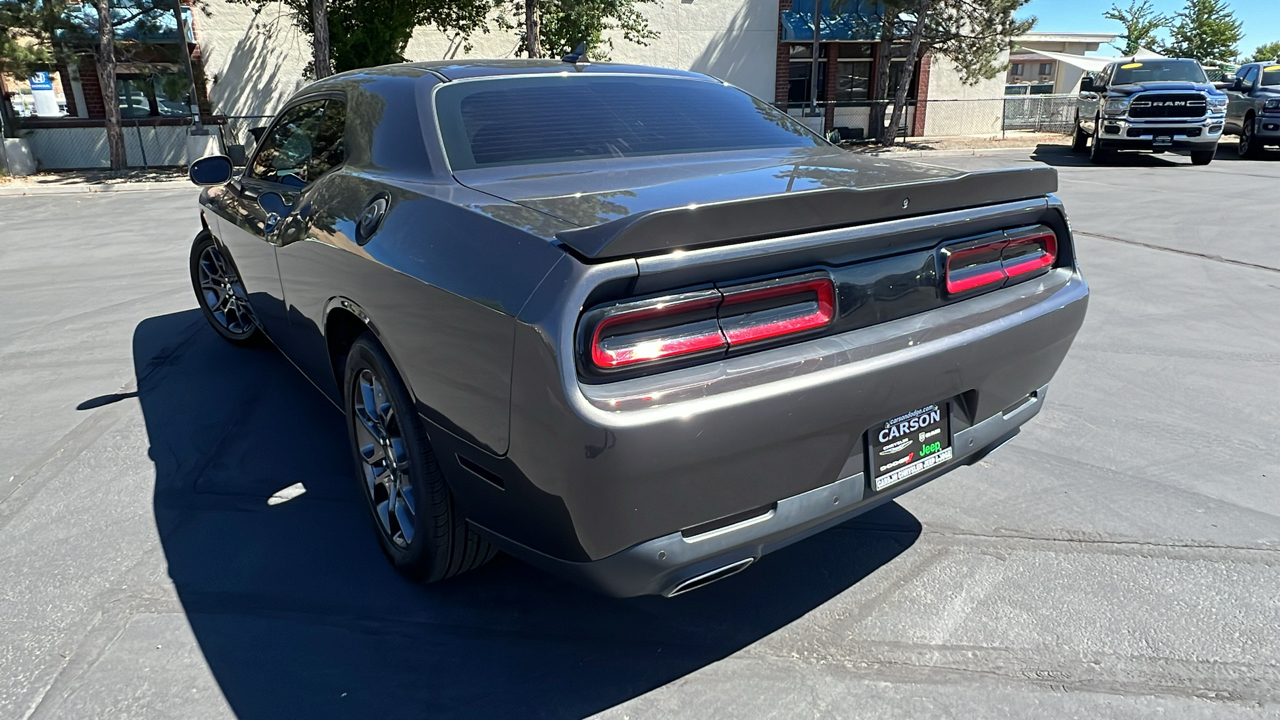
1059	156
298	614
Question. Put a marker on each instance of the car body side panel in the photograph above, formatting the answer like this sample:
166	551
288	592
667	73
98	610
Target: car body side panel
240	222
442	284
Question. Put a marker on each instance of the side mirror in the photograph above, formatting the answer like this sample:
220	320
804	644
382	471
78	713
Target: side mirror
1086	84
1238	85
257	132
211	170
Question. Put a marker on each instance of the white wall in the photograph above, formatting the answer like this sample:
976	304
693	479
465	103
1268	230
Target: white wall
956	108
254	62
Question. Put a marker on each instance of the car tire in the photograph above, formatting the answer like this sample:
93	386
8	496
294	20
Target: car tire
418	525
1202	157
1099	154
220	293
1080	139
1249	147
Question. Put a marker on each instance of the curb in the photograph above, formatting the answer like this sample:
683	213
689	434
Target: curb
20	190
972	152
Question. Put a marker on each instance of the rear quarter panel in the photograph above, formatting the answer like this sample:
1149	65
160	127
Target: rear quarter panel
440	282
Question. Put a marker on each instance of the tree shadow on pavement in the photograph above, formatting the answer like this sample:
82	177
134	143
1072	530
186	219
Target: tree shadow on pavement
298	614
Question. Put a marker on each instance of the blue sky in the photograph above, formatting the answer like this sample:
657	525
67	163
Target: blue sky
1261	18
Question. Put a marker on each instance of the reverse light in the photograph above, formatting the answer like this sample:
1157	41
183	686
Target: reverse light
706	323
759	313
989	263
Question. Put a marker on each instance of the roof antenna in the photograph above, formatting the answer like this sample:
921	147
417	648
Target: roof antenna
578	56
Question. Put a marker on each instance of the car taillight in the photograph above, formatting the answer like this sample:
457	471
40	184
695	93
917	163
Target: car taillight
992	262
757	313
660	329
708	322
1026	254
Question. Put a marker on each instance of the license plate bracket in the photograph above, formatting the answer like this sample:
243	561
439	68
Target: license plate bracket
1163	140
909	444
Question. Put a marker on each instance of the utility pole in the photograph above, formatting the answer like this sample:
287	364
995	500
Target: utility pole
817	48
194	105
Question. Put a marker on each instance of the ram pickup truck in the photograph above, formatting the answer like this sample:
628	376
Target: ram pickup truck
1253	107
1157	105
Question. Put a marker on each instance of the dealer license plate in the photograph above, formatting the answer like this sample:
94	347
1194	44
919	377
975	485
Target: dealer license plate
909	445
1163	140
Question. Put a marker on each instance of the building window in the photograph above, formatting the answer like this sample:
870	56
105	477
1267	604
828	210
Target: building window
1046	68
1017	68
154	95
801	74
853	72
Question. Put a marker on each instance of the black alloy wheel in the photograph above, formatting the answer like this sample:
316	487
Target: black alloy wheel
1249	147
418	524
222	297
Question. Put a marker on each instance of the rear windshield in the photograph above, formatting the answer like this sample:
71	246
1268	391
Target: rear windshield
1271	75
1159	71
556	118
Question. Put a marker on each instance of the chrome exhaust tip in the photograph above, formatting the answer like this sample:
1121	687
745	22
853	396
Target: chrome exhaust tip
707	578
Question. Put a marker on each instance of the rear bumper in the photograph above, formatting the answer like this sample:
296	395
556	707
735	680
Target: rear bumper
596	471
677	562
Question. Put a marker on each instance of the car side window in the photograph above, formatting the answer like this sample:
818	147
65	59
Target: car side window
285	154
1250	78
330	148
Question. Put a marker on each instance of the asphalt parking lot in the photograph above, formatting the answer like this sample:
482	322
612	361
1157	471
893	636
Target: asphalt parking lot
1119	559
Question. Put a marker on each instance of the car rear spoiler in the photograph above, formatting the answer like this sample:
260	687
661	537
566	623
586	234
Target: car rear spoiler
693	226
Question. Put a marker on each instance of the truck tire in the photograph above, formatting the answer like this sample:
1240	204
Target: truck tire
419	526
1249	148
1099	154
1079	140
1202	157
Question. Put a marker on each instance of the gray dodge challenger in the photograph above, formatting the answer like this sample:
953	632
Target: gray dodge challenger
629	324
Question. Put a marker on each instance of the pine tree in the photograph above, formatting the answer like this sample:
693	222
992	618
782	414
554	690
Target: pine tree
1205	30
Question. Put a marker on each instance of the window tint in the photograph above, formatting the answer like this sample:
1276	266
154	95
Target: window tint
1159	71
556	118
306	141
1250	76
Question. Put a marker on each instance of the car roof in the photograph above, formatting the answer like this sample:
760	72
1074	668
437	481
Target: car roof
465	69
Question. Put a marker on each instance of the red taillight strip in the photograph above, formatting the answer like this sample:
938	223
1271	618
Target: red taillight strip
1045	254
820	316
1004	262
963	279
647	348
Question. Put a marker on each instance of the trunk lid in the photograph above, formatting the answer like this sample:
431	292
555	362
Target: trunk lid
637	206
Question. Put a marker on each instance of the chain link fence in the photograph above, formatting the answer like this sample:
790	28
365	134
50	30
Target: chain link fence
932	118
83	145
146	145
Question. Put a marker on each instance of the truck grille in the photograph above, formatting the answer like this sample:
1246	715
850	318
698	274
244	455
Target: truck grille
1184	105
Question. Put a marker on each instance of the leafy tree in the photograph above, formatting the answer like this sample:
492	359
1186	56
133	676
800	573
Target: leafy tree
1205	30
366	33
1141	23
973	34
553	28
1270	51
